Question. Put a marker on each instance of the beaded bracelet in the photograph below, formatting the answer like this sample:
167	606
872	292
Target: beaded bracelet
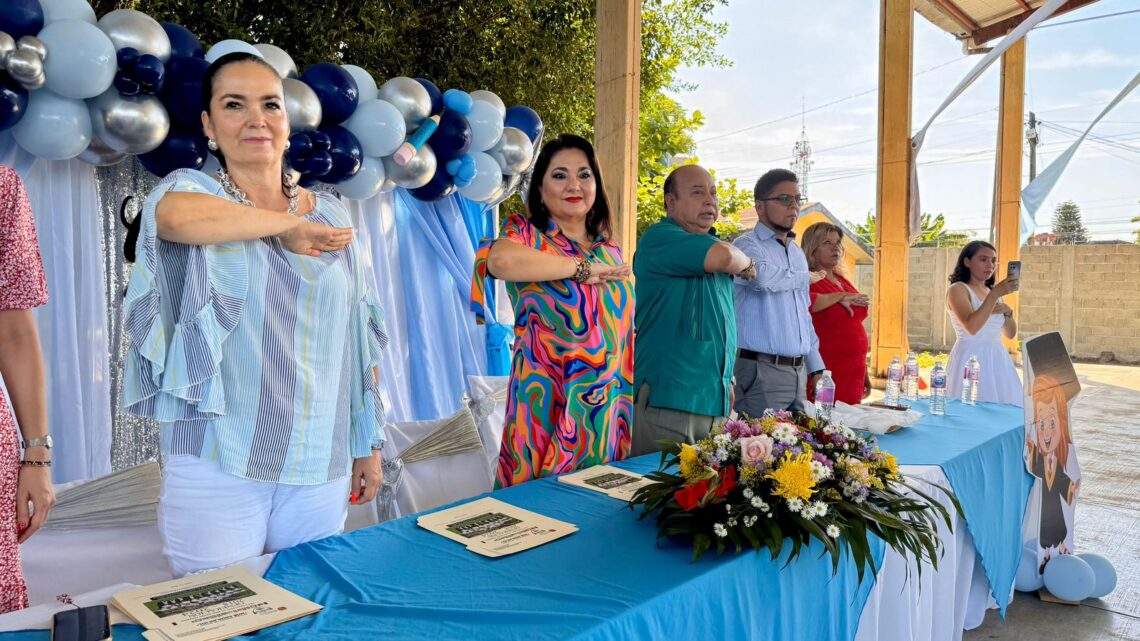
36	463
582	273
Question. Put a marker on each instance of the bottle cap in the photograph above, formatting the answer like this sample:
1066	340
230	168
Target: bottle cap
827	372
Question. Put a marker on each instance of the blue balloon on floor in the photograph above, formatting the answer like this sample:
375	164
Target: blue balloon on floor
1069	578
13	101
525	120
21	18
183	43
1103	571
336	90
1027	578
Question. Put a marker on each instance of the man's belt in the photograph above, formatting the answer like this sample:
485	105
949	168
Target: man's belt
794	361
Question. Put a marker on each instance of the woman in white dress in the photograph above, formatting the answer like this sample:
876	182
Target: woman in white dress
980	318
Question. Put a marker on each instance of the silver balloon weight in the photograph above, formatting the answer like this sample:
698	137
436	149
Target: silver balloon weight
301	105
513	152
134	125
130	28
100	155
417	173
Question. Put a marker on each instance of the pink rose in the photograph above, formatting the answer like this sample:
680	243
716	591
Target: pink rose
755	449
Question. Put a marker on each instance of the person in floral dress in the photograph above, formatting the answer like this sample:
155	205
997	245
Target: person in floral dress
25	485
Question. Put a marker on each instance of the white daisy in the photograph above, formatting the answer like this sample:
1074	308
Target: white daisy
759	503
820	508
819	471
795	504
833	531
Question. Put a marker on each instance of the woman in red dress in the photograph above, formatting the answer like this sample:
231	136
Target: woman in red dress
25	485
837	311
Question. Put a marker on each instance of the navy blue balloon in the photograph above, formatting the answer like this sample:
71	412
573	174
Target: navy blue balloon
525	120
13	101
181	149
439	187
452	138
183	44
127	57
436	95
149	70
181	92
21	18
335	88
319	164
300	145
321	141
126	86
347	155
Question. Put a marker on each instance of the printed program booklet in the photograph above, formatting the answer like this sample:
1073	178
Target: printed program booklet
492	528
620	484
211	606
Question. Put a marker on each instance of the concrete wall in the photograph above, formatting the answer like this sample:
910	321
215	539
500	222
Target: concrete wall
1089	293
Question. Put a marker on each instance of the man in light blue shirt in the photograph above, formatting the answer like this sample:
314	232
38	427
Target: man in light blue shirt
778	351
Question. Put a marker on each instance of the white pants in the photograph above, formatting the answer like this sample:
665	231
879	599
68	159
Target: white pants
209	518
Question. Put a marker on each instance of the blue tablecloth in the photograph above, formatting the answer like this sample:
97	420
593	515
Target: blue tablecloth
979	448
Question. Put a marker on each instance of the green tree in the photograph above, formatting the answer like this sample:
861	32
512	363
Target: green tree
1067	225
651	200
538	53
933	234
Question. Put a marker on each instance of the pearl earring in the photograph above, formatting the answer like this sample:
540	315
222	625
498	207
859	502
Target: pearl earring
212	144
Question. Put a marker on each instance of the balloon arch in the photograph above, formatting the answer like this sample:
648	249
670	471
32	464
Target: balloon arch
102	90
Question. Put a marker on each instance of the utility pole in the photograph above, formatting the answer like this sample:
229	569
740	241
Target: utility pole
1032	136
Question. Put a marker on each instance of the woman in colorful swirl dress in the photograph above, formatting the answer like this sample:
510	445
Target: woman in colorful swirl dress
570	398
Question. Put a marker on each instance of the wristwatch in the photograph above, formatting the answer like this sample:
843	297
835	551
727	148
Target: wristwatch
43	441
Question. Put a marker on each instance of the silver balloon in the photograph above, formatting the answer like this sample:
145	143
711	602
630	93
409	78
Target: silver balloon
410	98
301	105
513	152
100	155
134	125
506	189
33	44
280	60
7	46
417	173
130	28
26	68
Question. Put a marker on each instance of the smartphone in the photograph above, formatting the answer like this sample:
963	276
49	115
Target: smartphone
81	624
1013	270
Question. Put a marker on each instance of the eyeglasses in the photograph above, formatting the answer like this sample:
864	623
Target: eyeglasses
788	200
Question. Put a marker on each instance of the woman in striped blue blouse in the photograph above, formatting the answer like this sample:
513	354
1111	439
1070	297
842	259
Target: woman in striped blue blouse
254	340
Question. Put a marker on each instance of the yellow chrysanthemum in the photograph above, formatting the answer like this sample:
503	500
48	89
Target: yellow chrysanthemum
690	461
889	465
793	477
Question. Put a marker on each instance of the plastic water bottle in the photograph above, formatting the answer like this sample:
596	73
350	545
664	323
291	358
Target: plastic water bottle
894	381
910	378
970	381
825	394
938	390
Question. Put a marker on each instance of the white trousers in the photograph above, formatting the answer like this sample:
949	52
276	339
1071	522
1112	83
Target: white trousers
209	518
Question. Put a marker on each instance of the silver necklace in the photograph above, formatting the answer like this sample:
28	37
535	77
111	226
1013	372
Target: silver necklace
237	194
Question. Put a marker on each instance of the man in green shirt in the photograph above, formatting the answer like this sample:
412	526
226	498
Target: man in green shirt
685	346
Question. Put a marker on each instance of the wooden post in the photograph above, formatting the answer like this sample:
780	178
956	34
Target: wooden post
1007	186
892	246
618	80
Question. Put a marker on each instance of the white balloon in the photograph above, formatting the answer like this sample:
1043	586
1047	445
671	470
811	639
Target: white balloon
230	46
488	97
487	179
486	126
366	183
67	10
379	127
364	82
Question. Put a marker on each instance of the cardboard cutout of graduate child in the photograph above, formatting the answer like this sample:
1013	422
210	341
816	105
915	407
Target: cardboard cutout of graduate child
1050	386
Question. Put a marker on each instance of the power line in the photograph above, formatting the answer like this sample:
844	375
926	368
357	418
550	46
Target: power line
1106	15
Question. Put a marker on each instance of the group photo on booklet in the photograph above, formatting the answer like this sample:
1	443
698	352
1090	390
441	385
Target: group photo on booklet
545	320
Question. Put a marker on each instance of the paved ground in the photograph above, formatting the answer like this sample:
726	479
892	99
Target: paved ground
1106	419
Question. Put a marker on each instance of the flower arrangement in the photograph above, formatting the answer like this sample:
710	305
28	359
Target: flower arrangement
757	482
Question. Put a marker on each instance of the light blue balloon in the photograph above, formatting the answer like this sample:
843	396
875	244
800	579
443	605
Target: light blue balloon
365	84
489	97
81	59
486	125
379	127
488	177
366	183
1027	578
67	10
1069	578
1103	571
54	127
230	46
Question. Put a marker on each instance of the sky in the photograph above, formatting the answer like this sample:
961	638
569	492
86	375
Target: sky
821	56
